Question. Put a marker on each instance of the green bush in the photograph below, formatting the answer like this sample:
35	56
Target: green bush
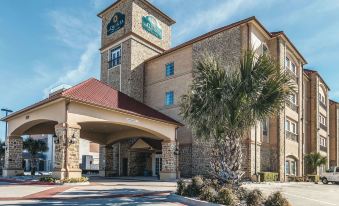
255	198
295	179
313	178
208	193
227	197
268	176
75	180
197	185
48	179
242	193
181	187
276	199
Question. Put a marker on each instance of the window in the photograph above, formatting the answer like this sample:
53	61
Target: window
322	119
287	63
323	141
115	57
321	98
264	49
169	69
287	167
169	98
264	129
293	167
291	126
290	65
293	98
337	170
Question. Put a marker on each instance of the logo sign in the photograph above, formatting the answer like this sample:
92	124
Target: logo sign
151	25
116	23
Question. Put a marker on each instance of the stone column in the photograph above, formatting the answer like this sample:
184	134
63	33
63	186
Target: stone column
13	157
66	164
109	171
169	161
102	160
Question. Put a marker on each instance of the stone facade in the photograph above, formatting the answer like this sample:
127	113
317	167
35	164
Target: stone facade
334	135
13	156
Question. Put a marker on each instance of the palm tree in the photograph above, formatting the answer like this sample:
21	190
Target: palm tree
314	160
223	104
34	147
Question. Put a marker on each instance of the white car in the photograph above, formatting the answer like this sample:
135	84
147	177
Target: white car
331	175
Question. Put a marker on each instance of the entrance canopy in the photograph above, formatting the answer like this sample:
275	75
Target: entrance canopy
96	108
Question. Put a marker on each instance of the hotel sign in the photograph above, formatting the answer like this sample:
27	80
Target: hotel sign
151	25
116	23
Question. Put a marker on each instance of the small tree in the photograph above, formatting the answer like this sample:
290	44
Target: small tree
314	160
34	147
224	103
2	153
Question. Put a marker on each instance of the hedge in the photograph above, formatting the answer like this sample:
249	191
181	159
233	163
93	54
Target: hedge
268	176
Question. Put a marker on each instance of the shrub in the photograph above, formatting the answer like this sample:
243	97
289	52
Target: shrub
181	187
313	178
295	179
255	198
268	176
208	193
276	199
75	180
242	193
227	197
197	185
48	179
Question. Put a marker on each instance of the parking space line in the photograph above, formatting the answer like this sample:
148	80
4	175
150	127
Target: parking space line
315	200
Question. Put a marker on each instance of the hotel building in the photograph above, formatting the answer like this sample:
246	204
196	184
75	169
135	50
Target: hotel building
133	112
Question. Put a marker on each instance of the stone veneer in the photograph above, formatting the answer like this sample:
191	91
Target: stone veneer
169	160
66	163
13	156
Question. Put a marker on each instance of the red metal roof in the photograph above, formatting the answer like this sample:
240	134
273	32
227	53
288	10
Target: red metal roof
95	92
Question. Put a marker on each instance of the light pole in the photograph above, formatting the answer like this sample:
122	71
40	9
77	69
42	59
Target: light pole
7	111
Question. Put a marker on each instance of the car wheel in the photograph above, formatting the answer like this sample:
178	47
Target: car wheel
325	181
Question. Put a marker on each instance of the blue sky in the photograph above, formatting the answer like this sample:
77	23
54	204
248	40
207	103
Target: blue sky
45	43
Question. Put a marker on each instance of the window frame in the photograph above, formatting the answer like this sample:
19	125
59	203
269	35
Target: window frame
169	98
322	119
169	69
114	61
291	125
323	141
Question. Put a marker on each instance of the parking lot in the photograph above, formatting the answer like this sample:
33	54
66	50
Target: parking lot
303	194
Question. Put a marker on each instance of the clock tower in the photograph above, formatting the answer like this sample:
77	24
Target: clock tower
132	32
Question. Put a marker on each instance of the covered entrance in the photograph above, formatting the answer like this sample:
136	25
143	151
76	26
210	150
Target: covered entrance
135	140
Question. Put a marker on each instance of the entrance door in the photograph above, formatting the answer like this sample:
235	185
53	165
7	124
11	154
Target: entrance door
124	166
158	164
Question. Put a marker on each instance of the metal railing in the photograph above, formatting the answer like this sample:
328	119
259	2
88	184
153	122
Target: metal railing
291	136
324	127
292	106
323	148
114	62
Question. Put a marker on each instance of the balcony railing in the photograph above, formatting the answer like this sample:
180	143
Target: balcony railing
323	105
292	106
324	127
114	62
291	136
323	148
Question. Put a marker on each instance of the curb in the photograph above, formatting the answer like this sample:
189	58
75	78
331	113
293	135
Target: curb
25	182
190	201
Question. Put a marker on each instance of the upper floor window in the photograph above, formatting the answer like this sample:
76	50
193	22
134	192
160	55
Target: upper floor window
115	57
321	98
322	119
169	69
264	49
169	99
290	65
293	98
291	126
323	141
264	129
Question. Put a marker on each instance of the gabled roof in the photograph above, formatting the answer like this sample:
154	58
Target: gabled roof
308	72
95	92
225	28
145	2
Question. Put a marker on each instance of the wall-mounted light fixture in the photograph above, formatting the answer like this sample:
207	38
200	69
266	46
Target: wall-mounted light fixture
56	139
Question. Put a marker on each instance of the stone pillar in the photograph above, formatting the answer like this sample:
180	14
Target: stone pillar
169	161
66	164
109	171
13	157
102	160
